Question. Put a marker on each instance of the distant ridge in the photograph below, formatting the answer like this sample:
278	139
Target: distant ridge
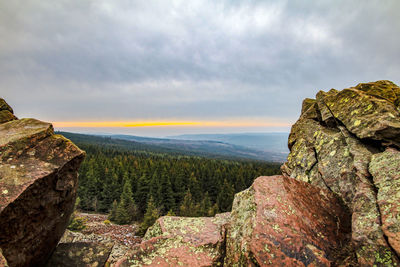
205	148
268	142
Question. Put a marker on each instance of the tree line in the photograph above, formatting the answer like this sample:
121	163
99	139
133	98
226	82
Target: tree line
141	186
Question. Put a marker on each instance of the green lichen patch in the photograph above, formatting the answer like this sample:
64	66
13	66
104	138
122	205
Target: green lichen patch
181	241
5	106
341	150
385	168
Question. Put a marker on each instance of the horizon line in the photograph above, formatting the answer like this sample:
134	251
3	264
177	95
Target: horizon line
135	124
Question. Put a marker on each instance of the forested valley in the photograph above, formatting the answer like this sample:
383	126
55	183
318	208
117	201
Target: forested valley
136	185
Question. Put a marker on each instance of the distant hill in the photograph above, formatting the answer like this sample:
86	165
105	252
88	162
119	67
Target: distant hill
268	142
205	148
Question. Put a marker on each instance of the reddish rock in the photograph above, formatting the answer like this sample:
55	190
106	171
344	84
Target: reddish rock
281	221
337	139
181	241
38	183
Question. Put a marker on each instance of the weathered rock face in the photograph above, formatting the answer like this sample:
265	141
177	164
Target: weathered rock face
80	254
180	241
6	112
113	248
281	221
385	169
38	183
348	143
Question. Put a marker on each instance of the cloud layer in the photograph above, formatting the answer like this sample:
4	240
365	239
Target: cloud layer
137	60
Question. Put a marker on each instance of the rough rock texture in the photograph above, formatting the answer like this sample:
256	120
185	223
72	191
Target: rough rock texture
385	169
281	221
80	254
6	112
180	241
348	142
38	183
119	249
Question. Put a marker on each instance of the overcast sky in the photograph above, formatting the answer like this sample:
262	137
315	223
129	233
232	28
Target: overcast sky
126	60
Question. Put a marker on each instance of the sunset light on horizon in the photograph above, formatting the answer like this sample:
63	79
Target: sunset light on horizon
122	124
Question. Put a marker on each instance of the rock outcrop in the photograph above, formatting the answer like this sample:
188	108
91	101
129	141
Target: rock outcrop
38	183
6	112
278	221
281	221
181	241
337	203
348	143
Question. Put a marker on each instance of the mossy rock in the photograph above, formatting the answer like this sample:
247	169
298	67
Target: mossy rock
182	241
337	144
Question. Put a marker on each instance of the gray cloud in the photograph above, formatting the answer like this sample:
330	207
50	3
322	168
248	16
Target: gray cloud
94	59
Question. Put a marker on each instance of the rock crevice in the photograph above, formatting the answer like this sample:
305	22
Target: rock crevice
363	122
337	203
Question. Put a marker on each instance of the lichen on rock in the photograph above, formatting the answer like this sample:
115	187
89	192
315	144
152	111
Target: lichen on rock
38	183
341	142
181	241
385	168
280	221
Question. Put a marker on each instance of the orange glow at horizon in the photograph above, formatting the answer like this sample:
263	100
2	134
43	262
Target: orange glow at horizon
123	124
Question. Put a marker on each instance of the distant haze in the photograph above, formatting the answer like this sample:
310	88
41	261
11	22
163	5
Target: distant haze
170	131
199	61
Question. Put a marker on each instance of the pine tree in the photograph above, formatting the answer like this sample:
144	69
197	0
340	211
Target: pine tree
171	213
151	215
142	192
113	213
126	210
213	210
165	194
188	207
205	205
194	187
225	197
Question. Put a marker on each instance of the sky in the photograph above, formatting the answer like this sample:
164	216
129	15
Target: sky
171	67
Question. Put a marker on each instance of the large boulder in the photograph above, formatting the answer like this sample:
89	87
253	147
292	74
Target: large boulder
348	143
38	183
281	221
181	241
